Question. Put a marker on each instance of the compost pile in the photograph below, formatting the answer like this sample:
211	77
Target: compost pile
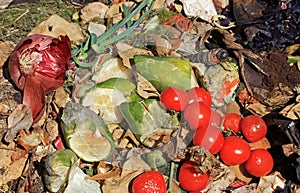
109	96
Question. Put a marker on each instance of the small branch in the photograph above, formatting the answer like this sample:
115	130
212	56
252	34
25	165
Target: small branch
22	15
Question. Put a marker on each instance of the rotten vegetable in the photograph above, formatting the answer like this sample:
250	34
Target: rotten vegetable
86	133
38	66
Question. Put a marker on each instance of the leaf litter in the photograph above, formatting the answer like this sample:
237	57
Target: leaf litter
258	73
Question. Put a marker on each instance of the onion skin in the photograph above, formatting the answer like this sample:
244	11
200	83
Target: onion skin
38	66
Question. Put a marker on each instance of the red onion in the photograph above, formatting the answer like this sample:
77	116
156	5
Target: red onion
38	66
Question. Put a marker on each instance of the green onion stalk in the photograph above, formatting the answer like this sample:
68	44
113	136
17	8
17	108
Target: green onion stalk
96	45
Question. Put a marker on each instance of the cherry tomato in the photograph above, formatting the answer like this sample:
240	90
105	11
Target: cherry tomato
200	95
215	119
235	151
150	182
174	98
260	163
191	178
231	122
210	137
253	128
197	114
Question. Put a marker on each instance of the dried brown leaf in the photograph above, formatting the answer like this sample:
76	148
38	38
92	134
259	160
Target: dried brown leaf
5	49
55	26
10	170
61	97
289	149
127	52
292	111
145	89
271	183
93	10
19	119
263	143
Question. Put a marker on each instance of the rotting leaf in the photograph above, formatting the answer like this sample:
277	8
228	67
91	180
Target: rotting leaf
18	120
292	111
131	168
127	52
32	139
271	183
289	149
145	89
10	170
221	175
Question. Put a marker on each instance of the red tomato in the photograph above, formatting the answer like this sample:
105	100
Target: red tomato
200	95
235	150
253	128
191	178
174	98
215	119
197	114
260	163
150	182
231	122
211	138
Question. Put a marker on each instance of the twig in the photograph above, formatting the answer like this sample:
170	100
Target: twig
18	18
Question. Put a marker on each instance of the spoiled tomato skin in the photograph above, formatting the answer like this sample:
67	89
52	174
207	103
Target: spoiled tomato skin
260	163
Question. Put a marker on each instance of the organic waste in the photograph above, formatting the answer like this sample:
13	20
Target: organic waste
150	96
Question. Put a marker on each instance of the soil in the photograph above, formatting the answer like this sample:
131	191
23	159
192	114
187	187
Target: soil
280	74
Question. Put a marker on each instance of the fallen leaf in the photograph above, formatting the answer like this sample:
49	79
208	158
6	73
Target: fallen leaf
241	173
263	143
61	97
93	10
127	52
204	9
292	111
271	183
10	170
289	149
6	48
5	3
19	119
55	26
